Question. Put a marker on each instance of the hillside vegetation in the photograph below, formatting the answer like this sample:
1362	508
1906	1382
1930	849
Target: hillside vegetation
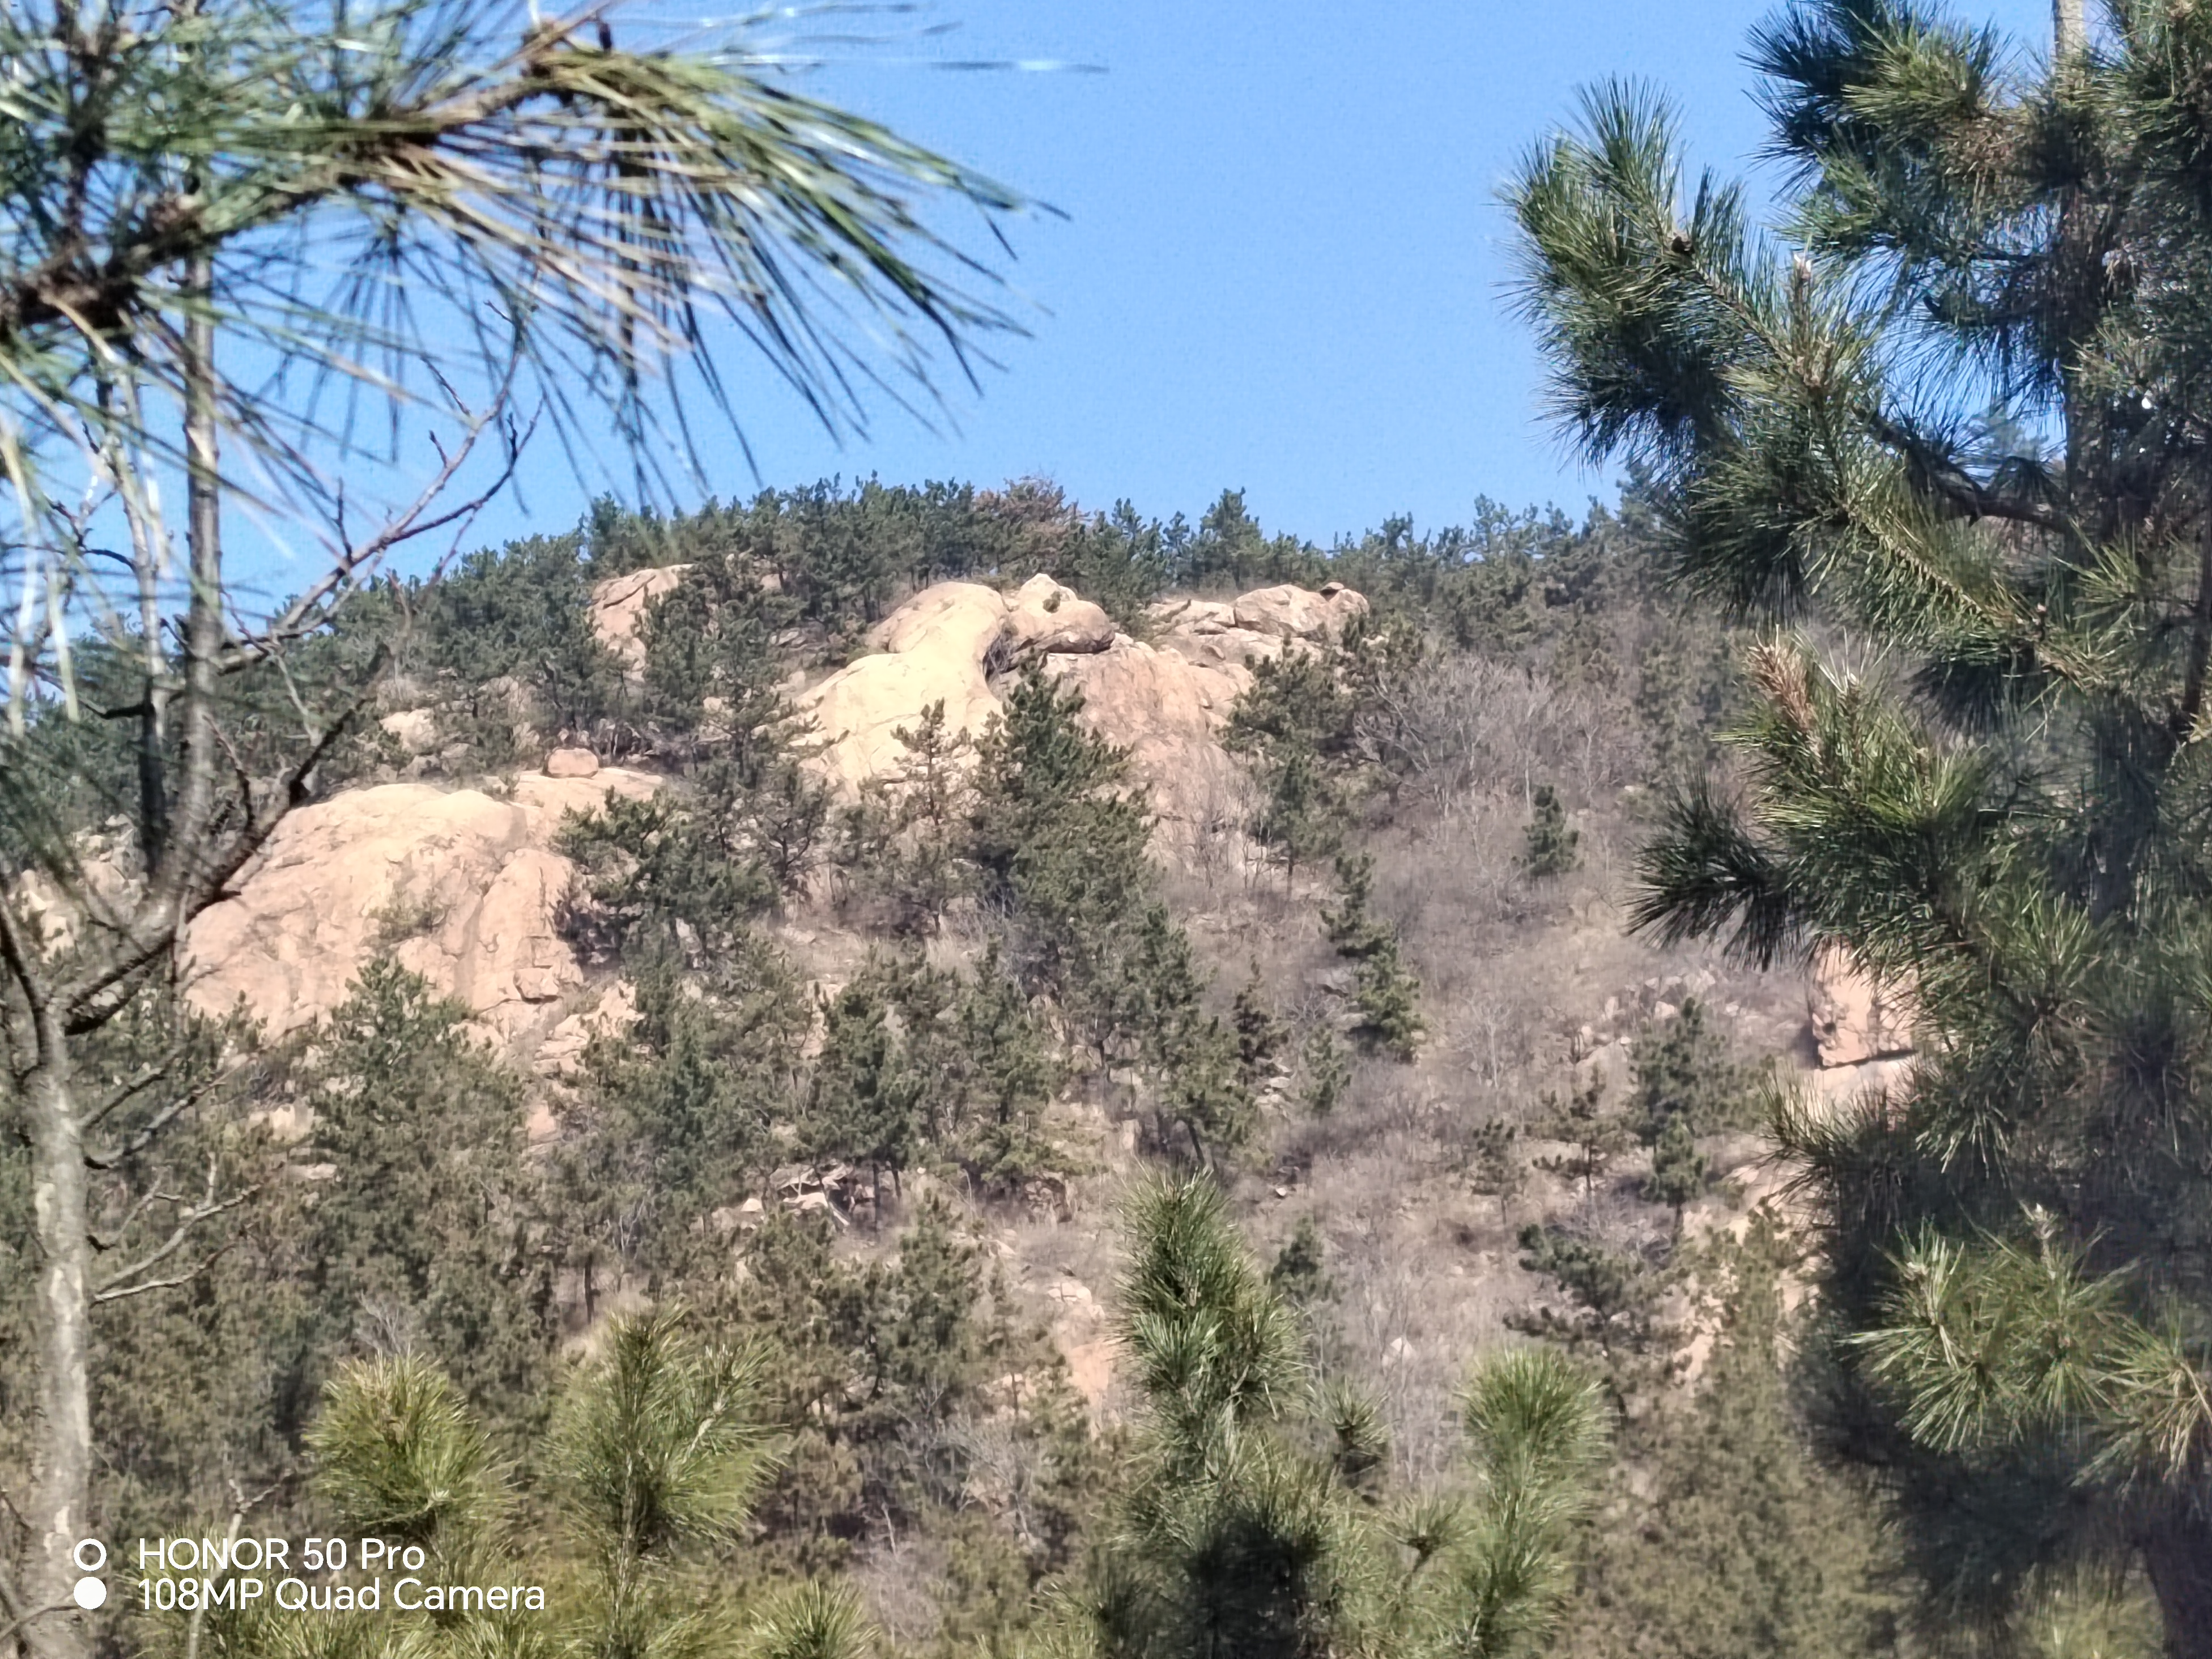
854	1107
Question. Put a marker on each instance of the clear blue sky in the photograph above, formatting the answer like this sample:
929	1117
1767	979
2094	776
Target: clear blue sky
1284	261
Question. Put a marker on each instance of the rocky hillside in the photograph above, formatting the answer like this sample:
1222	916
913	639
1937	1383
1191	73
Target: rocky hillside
823	915
463	885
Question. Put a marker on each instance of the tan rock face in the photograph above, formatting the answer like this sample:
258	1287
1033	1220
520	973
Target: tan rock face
1044	619
1204	632
1166	711
618	607
464	887
456	885
953	622
1298	613
1853	1019
861	708
1165	702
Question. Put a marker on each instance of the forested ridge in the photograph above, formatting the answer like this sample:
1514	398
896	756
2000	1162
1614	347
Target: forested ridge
1362	1008
947	1069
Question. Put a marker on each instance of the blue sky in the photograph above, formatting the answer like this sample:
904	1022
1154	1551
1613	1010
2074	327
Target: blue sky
1284	262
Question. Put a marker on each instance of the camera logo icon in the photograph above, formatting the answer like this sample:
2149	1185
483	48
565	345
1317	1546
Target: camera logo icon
89	1592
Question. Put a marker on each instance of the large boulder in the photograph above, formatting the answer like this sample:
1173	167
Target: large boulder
1166	711
458	885
941	646
933	649
415	730
1045	619
860	709
619	604
1166	701
1205	632
1291	612
948	621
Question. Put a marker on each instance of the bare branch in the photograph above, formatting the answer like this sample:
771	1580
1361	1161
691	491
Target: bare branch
138	1083
1960	487
151	1129
151	934
32	1617
306	612
120	1284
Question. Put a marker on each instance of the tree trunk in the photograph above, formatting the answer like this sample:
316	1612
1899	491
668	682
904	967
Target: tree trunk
198	757
2177	1555
2069	33
60	1500
59	1512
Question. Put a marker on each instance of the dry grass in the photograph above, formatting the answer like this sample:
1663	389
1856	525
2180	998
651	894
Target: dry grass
1523	982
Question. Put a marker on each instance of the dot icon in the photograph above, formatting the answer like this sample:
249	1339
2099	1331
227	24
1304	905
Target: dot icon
90	1593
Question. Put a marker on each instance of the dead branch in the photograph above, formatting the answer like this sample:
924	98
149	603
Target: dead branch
307	612
132	1280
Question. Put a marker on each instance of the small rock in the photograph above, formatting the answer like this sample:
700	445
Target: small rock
1282	1192
572	764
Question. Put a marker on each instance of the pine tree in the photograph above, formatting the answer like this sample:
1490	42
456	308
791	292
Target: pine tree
1386	996
1260	1034
1327	1071
658	1449
1677	1168
864	1102
1295	721
1551	842
1009	1056
1239	1539
1615	1295
1495	1166
403	1100
1734	1538
1301	817
901	845
1192	1058
1057	832
1681	1068
1958	414
1300	1272
1597	1134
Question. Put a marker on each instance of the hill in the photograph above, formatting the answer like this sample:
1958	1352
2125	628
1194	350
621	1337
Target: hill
817	913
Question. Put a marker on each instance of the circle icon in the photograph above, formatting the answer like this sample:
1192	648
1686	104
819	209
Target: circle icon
90	1593
77	1555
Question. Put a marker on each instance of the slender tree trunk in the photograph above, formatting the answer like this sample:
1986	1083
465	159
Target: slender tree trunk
2177	1555
60	1511
61	1508
2069	33
199	752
